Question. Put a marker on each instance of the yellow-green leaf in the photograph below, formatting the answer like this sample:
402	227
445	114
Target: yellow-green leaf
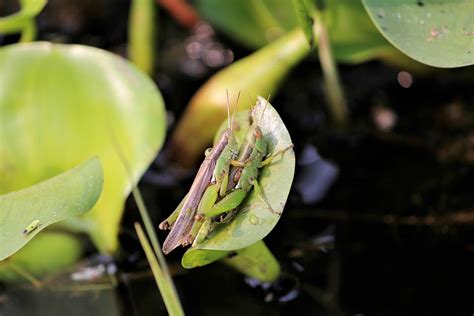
61	104
433	32
23	214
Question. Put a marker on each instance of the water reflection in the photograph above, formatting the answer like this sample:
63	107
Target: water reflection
316	175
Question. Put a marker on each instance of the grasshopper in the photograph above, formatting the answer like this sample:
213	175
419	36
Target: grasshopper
210	181
243	177
31	227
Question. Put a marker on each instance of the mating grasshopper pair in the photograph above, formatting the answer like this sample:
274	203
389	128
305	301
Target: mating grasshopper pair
223	181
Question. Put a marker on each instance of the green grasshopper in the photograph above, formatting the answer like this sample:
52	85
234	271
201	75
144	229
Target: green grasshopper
210	197
210	181
243	177
31	227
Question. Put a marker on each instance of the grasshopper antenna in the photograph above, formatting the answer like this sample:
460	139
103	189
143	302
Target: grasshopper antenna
235	107
250	101
265	107
251	106
228	109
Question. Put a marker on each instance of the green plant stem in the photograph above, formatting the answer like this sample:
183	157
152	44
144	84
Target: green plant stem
29	32
170	294
25	274
12	24
256	261
151	232
22	20
334	90
141	33
166	287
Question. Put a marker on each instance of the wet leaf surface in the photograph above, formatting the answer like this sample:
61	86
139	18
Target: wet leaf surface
437	33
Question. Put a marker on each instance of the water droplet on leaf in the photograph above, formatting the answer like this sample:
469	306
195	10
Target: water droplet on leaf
254	220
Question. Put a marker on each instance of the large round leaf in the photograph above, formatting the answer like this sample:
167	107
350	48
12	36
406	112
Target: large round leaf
437	33
353	36
60	104
254	219
25	213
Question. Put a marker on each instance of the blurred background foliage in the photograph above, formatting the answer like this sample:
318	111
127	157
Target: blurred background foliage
381	209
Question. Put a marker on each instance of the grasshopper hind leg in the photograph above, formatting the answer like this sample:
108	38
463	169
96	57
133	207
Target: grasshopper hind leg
261	196
203	231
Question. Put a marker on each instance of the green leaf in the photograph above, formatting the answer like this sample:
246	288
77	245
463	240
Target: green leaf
437	33
254	220
353	36
304	11
194	258
61	104
23	214
16	22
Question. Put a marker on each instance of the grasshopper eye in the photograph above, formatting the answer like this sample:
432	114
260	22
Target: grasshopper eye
30	228
208	152
258	133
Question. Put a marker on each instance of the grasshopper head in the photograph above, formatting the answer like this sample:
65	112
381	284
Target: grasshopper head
232	143
256	137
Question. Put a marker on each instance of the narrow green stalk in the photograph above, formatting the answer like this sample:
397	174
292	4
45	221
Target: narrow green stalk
167	290
141	34
12	24
151	233
23	21
25	274
29	32
169	294
334	90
